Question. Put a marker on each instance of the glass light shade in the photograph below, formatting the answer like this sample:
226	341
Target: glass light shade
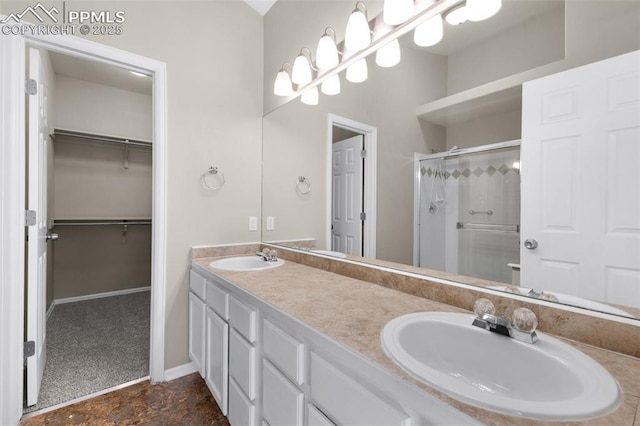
396	12
310	96
430	32
301	72
327	53
357	72
357	35
457	15
331	86
389	54
283	85
479	10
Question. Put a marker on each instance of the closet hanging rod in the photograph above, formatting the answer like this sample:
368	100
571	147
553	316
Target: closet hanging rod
102	223
102	138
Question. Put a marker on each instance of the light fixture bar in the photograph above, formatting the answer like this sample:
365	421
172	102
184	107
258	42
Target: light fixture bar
424	10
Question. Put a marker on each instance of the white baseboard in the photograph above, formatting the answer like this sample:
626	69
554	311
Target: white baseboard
180	371
95	296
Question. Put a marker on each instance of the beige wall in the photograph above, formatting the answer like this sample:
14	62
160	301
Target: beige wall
214	57
96	108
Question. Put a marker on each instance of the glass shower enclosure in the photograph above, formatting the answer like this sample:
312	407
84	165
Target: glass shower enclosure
468	211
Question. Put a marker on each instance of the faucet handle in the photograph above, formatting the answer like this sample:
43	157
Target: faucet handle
273	255
523	319
483	306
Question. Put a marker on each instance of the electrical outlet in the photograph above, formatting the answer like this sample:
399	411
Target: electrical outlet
253	223
271	223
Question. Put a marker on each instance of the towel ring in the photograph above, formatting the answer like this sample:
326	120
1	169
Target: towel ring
213	171
303	186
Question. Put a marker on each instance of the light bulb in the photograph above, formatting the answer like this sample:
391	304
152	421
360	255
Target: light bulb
301	72
331	86
357	35
357	72
283	85
389	54
457	15
327	53
310	96
479	10
396	12
430	32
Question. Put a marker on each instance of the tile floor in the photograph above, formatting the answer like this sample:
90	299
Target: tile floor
183	401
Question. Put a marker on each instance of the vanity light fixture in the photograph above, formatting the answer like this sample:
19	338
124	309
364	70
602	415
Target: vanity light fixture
456	15
357	35
479	10
331	86
310	96
327	52
301	73
283	85
430	32
396	12
389	54
357	73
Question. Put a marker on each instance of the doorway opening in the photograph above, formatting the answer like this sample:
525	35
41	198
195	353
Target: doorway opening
351	186
89	175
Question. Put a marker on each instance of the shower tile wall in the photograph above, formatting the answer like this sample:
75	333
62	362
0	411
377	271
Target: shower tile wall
479	182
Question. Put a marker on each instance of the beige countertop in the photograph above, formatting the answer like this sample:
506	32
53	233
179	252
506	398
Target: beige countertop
354	312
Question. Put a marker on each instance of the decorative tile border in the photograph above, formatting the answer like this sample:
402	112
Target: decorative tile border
466	173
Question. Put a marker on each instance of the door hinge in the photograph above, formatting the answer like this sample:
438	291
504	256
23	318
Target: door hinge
30	217
31	87
363	153
29	349
363	216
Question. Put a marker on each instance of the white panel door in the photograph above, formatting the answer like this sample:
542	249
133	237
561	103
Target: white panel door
37	242
347	192
580	181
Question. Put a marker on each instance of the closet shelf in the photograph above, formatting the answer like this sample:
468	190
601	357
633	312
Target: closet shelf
100	222
101	138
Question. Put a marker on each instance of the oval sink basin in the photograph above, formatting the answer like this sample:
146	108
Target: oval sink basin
245	263
548	380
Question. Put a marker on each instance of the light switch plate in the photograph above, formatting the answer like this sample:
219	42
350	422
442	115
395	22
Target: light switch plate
253	223
271	223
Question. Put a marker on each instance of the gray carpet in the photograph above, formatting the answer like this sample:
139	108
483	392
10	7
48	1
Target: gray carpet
93	345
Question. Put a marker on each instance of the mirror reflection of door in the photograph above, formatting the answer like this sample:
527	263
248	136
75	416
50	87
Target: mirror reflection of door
347	186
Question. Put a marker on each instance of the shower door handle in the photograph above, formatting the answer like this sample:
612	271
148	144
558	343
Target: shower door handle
530	244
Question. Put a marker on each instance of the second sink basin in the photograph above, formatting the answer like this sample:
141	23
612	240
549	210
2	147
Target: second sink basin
547	380
244	263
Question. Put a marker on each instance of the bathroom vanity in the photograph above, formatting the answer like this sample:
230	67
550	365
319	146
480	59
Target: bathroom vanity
298	345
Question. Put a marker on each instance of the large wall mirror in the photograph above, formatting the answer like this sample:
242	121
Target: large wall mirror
429	150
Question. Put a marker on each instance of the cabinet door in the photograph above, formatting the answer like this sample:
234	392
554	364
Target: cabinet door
197	327
217	370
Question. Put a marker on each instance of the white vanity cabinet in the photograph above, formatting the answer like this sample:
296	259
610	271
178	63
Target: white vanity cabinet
270	369
197	321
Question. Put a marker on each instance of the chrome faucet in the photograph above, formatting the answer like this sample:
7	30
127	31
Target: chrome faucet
268	255
522	328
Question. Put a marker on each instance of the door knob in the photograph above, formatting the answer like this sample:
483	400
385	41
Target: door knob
51	237
530	244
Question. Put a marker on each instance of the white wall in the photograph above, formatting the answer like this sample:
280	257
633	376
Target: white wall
214	57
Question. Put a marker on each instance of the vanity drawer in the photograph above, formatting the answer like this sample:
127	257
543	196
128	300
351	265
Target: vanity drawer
283	351
241	411
282	402
243	319
218	300
347	401
242	363
316	418
197	284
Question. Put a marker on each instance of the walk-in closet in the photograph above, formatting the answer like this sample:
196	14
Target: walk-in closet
99	212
